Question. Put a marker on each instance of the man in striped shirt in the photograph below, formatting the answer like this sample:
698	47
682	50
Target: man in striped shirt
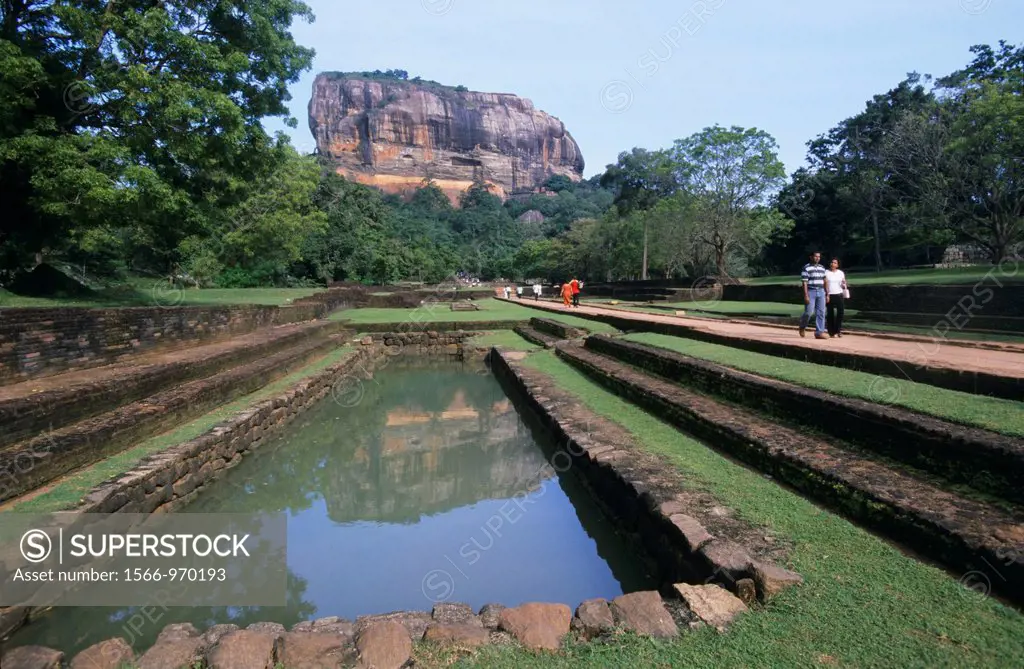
813	278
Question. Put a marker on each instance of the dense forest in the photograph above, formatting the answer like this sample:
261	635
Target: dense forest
131	142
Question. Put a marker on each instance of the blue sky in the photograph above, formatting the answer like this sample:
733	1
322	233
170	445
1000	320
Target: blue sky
623	74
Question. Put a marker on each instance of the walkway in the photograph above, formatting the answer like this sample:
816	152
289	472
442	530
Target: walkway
904	353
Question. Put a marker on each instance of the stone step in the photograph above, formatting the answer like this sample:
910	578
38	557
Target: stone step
988	461
32	463
557	328
961	532
52	402
535	336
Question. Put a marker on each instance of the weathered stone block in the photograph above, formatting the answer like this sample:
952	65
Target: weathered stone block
536	625
711	603
644	613
384	645
109	654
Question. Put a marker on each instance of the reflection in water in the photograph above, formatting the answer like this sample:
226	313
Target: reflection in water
431	489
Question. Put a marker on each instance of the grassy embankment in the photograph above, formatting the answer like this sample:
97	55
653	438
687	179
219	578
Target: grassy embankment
990	413
490	310
68	490
864	603
159	294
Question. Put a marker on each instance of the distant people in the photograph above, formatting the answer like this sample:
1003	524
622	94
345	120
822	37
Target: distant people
813	280
519	292
835	298
566	294
575	287
537	289
506	292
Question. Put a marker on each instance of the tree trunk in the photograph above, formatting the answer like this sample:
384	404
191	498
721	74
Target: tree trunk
878	241
643	271
720	261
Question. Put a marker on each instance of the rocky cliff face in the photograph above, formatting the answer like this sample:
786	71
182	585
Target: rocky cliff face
392	134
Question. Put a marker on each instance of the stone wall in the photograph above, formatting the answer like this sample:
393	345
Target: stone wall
38	342
908	509
986	460
413	326
557	328
638	492
1001	293
978	383
431	341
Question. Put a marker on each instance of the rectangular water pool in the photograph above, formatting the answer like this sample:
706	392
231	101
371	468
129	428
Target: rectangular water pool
430	488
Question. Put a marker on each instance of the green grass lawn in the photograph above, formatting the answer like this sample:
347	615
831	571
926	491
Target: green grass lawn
150	293
864	603
991	413
491	309
69	490
894	277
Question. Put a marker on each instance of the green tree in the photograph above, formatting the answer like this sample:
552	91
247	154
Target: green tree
730	173
640	178
136	116
962	156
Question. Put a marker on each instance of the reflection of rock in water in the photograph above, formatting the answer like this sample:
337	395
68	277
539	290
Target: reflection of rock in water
426	462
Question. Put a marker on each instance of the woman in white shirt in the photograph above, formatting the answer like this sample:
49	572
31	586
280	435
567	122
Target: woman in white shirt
835	299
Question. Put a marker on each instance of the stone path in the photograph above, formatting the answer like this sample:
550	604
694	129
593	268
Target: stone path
901	352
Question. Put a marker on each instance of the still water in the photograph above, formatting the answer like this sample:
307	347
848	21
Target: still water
432	488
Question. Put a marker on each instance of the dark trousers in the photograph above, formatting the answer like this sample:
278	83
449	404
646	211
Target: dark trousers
575	299
836	308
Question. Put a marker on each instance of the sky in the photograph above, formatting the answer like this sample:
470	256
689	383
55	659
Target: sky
622	74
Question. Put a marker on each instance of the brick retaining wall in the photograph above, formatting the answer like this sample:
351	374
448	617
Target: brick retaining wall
39	342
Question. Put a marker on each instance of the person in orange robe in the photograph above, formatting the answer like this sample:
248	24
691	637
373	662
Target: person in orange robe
566	294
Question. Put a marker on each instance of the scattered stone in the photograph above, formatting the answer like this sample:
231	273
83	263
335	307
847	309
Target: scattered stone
451	614
213	635
490	615
384	645
178	631
693	532
746	591
711	603
335	625
727	558
367	341
594	618
273	629
537	626
461	634
644	613
109	654
414	622
313	651
32	657
671	508
173	654
772	580
245	649
305	627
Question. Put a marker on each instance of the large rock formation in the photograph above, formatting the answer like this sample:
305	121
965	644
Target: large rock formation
392	134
